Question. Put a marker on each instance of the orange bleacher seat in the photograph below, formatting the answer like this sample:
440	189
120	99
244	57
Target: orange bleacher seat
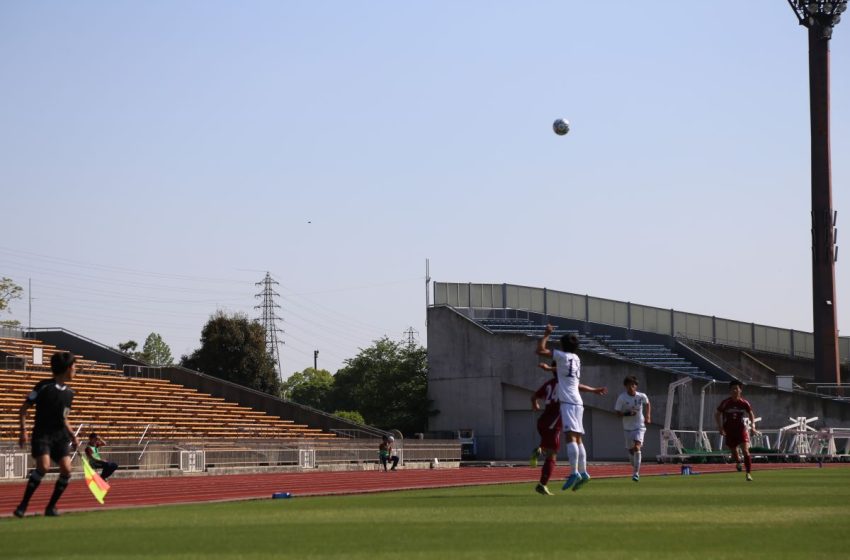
166	409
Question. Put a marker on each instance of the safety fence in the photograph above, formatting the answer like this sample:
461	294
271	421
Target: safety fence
797	442
222	456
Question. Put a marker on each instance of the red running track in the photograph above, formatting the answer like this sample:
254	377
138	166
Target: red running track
135	492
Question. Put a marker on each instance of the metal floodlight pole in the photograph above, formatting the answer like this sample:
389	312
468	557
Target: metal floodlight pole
820	17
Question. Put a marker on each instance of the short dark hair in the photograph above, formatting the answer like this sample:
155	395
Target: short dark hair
569	342
60	362
92	435
735	382
630	379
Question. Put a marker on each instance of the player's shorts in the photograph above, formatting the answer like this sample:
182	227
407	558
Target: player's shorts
736	438
572	416
550	433
631	436
57	445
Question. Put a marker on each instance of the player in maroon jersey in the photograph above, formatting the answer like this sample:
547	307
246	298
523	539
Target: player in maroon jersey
549	426
730	422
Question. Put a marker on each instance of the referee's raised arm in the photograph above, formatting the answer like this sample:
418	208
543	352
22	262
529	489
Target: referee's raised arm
542	350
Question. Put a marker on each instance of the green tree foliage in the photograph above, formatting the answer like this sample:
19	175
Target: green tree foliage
388	384
155	351
350	415
234	348
8	292
310	387
129	347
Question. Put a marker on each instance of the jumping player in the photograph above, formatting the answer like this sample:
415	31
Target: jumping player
52	434
629	407
572	407
730	422
549	427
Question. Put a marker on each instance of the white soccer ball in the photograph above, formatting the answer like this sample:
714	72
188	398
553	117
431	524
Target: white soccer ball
561	126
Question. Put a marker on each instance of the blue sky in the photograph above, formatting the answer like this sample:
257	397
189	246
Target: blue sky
157	158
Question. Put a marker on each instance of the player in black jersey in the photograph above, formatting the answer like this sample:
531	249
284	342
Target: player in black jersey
52	434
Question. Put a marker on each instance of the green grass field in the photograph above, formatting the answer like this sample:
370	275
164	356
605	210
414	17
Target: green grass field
783	514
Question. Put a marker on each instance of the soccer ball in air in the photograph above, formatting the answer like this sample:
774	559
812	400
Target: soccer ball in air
561	126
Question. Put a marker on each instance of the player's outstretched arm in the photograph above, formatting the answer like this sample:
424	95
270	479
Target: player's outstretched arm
647	419
542	350
594	390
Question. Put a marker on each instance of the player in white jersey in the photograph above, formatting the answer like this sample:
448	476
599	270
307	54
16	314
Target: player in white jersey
629	407
572	408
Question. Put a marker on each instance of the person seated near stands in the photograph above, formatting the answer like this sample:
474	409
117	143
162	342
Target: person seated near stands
95	460
386	453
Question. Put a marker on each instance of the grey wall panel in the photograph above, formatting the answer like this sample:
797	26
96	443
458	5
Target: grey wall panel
734	333
641	318
562	304
651	319
804	344
441	295
537	300
693	326
771	339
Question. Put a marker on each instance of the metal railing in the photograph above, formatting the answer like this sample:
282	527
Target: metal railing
146	372
156	456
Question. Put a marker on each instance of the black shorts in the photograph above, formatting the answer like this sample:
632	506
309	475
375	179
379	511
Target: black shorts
56	444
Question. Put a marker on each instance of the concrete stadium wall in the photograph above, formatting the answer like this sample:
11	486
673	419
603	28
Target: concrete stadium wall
484	381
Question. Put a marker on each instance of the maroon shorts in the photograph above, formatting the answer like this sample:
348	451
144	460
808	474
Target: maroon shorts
550	437
736	438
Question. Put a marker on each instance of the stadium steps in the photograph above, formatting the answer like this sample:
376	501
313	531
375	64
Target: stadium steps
651	355
122	408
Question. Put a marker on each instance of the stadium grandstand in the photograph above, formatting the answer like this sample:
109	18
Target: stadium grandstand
175	419
482	367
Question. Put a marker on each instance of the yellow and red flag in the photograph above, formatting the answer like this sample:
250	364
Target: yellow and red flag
97	485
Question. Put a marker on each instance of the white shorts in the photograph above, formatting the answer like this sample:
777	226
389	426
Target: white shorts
572	415
634	435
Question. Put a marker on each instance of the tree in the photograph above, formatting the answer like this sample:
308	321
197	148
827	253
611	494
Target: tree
388	384
234	348
310	387
350	415
129	347
8	291
155	351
